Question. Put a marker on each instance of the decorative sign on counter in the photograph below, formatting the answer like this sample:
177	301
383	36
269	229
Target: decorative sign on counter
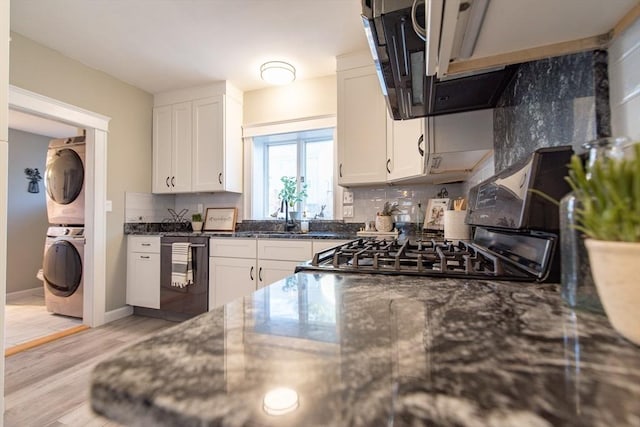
434	217
220	219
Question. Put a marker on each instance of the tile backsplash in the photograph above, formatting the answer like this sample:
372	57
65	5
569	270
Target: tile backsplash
367	201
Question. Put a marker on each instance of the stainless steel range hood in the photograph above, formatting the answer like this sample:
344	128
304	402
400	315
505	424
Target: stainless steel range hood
407	63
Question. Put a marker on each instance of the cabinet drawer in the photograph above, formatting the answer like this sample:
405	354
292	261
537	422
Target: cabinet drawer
232	248
284	249
147	244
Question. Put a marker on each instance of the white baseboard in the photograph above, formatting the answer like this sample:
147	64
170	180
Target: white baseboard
118	313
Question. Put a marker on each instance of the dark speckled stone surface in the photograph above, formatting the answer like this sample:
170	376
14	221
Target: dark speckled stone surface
364	350
551	102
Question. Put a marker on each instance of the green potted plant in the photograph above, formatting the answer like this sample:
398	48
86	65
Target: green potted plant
196	222
290	194
384	219
609	216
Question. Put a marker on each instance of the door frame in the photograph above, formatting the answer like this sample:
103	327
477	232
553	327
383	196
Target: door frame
97	128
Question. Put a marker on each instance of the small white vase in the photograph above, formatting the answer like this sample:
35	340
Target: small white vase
615	270
196	226
384	223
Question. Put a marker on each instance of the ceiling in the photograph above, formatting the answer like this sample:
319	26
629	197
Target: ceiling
160	45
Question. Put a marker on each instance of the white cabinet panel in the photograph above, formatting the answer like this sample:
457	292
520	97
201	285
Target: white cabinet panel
361	124
229	279
406	148
162	150
143	271
284	249
208	144
233	248
172	148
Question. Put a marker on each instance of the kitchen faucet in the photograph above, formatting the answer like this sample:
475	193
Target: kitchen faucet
289	224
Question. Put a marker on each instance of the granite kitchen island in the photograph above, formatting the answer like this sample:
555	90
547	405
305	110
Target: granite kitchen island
376	350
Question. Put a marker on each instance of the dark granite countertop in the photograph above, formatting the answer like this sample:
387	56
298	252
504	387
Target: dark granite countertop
365	350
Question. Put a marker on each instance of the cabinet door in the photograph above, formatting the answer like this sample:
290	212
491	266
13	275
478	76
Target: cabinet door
181	151
208	144
162	150
143	279
362	113
406	148
229	279
270	271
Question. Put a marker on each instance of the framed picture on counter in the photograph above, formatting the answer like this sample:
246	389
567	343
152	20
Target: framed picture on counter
220	219
434	216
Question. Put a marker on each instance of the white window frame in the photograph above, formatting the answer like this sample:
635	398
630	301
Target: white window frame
251	131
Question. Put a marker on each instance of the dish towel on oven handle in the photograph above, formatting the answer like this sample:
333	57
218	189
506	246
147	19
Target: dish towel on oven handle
181	265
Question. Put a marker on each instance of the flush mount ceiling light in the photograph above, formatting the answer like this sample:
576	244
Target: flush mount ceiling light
277	72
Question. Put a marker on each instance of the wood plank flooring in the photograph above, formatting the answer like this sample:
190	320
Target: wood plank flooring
27	318
48	386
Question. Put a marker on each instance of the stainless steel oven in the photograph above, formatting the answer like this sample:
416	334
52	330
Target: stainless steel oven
181	303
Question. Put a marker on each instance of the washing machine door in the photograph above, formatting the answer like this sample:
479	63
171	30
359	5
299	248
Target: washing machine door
62	268
64	176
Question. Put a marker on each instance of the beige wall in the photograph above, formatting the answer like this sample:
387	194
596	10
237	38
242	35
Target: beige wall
39	69
302	99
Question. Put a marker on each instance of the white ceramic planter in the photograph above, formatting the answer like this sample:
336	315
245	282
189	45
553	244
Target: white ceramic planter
616	271
197	226
384	223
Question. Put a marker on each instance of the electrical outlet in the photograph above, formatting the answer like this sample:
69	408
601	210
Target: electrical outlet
347	197
347	211
200	208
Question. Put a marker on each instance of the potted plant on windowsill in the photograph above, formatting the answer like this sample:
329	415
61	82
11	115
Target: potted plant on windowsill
610	218
384	218
290	194
196	222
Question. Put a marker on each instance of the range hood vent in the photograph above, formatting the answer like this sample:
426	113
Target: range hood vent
401	54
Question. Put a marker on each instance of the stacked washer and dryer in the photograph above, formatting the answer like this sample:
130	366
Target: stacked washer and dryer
62	266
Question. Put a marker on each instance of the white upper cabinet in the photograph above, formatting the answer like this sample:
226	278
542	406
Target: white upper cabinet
217	145
406	148
197	140
374	149
172	148
362	113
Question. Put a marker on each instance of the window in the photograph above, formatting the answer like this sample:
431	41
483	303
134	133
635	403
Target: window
307	156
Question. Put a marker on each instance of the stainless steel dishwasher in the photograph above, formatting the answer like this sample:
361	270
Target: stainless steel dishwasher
183	303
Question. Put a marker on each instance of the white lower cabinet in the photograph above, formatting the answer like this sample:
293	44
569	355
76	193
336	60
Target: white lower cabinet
232	269
238	267
143	271
270	271
230	278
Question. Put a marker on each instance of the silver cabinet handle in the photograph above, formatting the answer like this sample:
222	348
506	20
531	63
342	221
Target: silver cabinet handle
173	181
220	177
145	244
251	272
420	141
340	170
166	181
144	256
388	162
260	274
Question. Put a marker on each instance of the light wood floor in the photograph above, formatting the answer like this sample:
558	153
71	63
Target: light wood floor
48	386
27	318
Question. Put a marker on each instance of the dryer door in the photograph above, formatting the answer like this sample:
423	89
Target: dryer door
64	176
62	268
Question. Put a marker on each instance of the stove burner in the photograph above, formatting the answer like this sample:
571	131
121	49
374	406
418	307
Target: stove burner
418	256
